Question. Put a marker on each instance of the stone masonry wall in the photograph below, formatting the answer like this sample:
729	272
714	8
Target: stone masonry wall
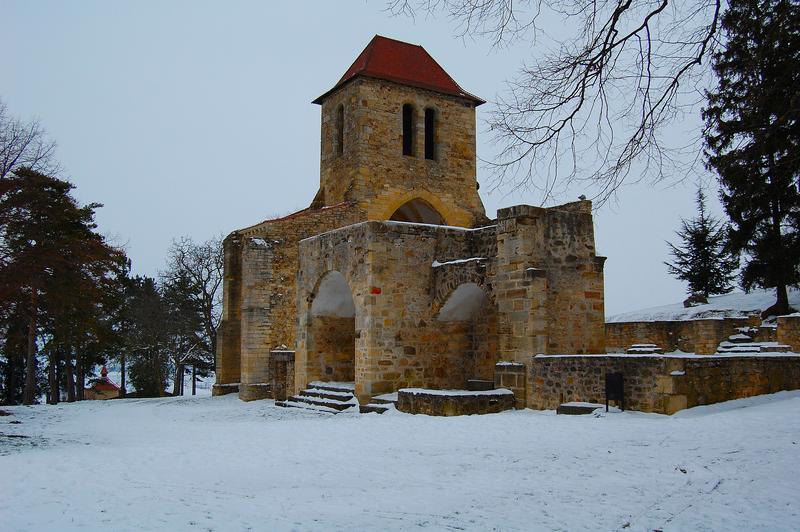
434	404
401	275
549	282
788	332
228	370
512	376
372	169
334	347
659	384
269	259
701	336
399	343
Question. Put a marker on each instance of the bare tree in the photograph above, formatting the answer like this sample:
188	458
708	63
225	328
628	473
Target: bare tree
25	144
198	267
595	108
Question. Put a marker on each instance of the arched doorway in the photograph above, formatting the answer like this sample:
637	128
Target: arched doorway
418	211
331	331
469	318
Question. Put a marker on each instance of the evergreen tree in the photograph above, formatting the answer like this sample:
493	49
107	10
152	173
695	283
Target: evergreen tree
147	337
55	269
753	140
701	259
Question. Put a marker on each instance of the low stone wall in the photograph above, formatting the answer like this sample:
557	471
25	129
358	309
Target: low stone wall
224	389
663	384
254	392
512	376
453	402
701	336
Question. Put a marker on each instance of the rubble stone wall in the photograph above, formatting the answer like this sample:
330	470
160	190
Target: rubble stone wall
659	383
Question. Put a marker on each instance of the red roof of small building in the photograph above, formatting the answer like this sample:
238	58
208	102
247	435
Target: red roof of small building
105	386
104	383
404	63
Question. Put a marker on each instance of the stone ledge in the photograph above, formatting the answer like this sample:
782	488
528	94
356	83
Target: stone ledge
454	402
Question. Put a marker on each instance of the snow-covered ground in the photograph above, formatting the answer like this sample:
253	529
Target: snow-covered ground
202	463
728	305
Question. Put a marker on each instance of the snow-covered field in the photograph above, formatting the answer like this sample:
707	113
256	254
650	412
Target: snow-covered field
728	305
202	463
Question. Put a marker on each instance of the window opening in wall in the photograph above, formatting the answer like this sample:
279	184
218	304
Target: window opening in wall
408	129
430	134
340	130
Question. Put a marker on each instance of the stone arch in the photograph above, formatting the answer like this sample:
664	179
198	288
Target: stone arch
418	211
331	334
469	317
449	277
463	304
449	215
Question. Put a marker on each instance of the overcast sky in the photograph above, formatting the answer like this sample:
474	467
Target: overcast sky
194	118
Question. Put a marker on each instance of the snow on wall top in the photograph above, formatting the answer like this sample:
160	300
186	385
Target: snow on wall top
737	304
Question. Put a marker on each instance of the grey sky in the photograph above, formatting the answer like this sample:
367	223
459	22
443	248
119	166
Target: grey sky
194	118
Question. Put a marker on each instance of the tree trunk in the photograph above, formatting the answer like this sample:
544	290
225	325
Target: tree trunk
122	385
53	378
177	385
70	377
81	374
29	396
781	305
194	378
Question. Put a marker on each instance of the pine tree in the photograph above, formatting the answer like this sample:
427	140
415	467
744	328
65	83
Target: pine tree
54	267
753	140
701	259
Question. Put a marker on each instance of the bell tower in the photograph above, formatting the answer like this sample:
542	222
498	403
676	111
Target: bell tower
398	139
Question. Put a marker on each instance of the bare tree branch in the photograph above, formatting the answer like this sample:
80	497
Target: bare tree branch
595	109
25	144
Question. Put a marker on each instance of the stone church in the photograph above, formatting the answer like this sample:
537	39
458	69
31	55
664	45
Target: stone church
394	276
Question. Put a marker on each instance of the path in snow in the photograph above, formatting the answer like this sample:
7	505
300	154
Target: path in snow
219	464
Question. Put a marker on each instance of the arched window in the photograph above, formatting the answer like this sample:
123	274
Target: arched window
408	129
340	130
430	133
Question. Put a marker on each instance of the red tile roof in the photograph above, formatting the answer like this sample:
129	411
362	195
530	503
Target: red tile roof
404	63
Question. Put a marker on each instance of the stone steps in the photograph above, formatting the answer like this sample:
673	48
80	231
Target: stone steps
380	403
332	398
336	397
374	408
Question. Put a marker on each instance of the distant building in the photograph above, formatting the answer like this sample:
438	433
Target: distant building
103	388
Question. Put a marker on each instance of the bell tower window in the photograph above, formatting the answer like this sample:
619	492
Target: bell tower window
340	130
430	134
408	130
